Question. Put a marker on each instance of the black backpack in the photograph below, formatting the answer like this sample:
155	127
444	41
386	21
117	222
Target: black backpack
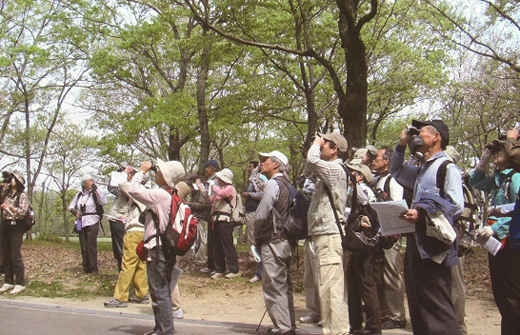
295	227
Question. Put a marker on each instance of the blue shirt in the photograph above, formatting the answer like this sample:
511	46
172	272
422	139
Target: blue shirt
495	186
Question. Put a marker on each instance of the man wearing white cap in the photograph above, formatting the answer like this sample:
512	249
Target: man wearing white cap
161	259
275	250
87	206
323	230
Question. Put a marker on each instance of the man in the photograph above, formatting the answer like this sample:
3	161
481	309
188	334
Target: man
160	259
364	156
275	250
392	284
325	164
87	206
503	186
133	269
203	207
253	195
429	257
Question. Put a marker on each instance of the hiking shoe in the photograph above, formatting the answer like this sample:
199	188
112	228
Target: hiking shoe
309	319
6	287
178	313
393	324
17	289
205	270
150	332
217	275
145	300
231	275
114	303
254	279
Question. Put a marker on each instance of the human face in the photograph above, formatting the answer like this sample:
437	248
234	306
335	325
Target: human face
269	167
380	164
87	184
430	136
328	150
159	179
501	160
209	171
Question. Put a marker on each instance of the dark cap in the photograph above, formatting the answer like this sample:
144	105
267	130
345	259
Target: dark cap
439	125
213	163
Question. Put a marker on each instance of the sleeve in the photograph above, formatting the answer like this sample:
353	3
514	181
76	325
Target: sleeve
267	203
513	152
23	205
404	174
73	203
223	192
481	181
101	197
515	186
453	187
256	195
328	172
148	197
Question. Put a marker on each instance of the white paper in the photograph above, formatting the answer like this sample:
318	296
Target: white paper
493	246
389	216
504	209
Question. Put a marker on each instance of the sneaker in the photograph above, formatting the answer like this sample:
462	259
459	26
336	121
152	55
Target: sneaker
393	324
6	287
217	275
150	332
114	303
145	300
274	331
320	323
231	275
309	319
178	313
205	270
17	289
255	279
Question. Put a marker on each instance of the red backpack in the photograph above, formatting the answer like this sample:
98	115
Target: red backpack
180	235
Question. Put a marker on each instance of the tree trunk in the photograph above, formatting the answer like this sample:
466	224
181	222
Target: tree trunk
202	108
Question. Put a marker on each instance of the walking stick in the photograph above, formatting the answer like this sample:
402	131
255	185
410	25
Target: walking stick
257	328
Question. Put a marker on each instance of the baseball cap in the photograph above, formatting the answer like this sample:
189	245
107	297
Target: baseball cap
439	125
213	163
338	139
277	154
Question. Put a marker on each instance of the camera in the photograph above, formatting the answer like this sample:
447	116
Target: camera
412	131
415	142
154	167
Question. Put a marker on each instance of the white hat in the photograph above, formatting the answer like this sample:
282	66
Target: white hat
277	154
86	177
172	171
226	175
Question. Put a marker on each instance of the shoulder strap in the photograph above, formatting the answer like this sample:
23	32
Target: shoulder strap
441	177
331	200
386	187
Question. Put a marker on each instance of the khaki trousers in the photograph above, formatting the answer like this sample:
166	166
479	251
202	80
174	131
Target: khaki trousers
331	283
458	294
310	280
392	295
133	270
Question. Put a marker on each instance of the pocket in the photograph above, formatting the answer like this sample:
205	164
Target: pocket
327	250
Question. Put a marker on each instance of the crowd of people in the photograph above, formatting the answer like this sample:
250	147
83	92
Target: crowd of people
354	276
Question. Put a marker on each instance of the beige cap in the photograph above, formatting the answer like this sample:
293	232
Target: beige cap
183	190
226	175
364	170
338	139
172	171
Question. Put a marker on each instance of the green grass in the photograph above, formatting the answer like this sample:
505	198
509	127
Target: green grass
71	244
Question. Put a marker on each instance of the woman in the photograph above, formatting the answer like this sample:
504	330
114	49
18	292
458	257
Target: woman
14	208
222	199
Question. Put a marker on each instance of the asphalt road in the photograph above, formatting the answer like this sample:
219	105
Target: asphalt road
23	318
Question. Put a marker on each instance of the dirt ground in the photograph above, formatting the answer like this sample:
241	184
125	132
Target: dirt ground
54	277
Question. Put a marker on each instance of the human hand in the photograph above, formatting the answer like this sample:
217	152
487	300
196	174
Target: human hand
146	166
484	234
404	138
245	194
513	134
364	222
411	215
318	140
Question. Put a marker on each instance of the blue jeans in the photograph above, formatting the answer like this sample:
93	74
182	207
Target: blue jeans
159	270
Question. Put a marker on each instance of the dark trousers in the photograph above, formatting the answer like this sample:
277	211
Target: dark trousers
159	270
505	282
428	288
211	246
88	244
225	252
117	233
11	245
362	273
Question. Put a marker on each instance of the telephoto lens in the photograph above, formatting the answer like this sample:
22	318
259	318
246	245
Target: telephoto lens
154	166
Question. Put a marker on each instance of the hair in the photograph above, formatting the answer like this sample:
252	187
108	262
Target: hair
434	131
19	186
388	152
281	166
254	163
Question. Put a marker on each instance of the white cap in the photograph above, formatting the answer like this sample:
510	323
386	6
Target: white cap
277	154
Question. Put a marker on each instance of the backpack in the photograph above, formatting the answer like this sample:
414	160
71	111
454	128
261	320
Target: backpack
295	227
181	235
237	210
28	221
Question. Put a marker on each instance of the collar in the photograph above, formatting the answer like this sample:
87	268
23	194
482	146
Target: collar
276	175
436	155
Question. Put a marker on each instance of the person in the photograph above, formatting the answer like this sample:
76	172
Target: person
223	198
160	256
202	207
327	167
503	186
133	269
364	267
14	207
429	257
458	288
364	156
119	208
183	191
275	249
87	206
253	195
391	295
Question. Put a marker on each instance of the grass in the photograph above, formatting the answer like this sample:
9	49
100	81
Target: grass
71	244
